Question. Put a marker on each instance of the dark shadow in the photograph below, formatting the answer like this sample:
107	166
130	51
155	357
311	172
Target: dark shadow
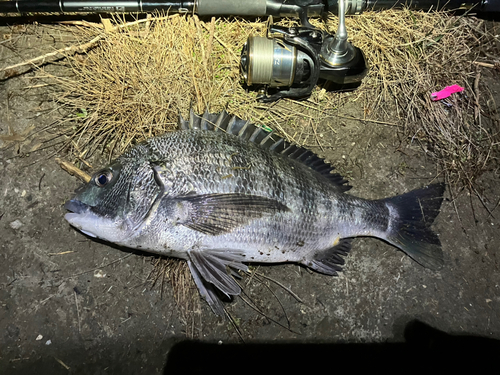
425	350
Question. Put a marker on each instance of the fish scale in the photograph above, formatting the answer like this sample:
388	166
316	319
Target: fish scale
223	192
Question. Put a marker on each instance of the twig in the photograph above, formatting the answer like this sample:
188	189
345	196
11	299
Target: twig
233	323
40	182
81	48
97	268
202	47
211	37
482	201
281	285
62	363
77	313
82	23
316	135
162	283
256	309
368	120
108	26
72	170
493	209
477	106
46	299
488	65
148	23
62	253
277	299
252	274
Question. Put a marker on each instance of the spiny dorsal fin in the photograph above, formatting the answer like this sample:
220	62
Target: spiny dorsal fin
205	123
268	140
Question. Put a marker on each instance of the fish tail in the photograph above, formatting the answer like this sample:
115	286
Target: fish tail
411	217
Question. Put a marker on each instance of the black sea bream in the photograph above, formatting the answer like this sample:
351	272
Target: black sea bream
222	192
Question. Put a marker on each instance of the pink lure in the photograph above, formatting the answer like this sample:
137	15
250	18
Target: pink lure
447	91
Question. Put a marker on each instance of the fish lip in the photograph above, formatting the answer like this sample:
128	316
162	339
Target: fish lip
76	206
84	218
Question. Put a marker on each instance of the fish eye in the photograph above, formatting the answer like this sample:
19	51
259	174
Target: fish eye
102	178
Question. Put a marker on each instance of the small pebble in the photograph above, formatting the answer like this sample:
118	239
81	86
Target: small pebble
99	274
16	224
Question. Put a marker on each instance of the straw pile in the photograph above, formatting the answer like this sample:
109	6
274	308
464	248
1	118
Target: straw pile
135	81
416	53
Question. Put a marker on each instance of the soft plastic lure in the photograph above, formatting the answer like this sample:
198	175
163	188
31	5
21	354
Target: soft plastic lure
446	92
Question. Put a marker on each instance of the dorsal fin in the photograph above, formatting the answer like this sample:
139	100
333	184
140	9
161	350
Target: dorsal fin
264	138
222	121
276	145
245	130
183	124
208	121
193	120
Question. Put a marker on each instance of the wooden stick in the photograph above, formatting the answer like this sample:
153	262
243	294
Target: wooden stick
71	49
367	120
81	48
477	106
72	170
488	65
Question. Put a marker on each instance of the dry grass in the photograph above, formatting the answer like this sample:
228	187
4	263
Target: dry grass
136	80
413	54
185	293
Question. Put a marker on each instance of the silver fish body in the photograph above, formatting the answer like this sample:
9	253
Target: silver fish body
222	192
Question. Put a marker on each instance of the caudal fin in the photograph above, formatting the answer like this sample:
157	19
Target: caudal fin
412	215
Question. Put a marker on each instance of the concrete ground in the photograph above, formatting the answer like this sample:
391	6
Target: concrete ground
69	304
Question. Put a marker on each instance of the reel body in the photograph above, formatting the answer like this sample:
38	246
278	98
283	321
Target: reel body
289	62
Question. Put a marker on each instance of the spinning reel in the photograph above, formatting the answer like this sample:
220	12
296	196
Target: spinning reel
289	62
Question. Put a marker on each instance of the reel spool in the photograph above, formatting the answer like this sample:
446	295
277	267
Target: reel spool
274	63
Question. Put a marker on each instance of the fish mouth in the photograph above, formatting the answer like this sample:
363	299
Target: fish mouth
84	218
76	206
77	210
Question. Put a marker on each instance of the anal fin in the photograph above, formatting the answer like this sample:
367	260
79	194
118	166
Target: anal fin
329	261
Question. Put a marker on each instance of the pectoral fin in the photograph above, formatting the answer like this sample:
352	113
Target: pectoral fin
216	214
210	270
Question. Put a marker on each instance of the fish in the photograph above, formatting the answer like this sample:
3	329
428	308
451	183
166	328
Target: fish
222	192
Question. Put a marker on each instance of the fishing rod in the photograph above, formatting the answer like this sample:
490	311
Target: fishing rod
258	8
290	61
